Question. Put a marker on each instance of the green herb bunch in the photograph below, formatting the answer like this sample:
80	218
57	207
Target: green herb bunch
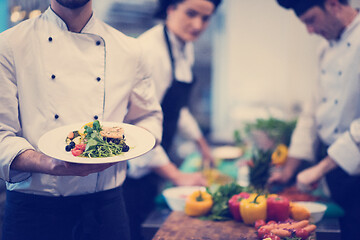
260	169
277	130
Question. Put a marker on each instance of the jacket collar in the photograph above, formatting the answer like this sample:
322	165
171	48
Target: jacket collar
54	18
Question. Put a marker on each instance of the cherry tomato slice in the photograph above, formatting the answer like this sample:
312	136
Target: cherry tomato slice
76	152
80	147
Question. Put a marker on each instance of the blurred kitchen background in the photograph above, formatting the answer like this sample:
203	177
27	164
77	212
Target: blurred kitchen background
255	60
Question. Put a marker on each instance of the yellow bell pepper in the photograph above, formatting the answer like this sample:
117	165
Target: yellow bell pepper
279	156
253	209
198	203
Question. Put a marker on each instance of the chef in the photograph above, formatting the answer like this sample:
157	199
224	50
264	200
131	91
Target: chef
169	47
328	131
60	68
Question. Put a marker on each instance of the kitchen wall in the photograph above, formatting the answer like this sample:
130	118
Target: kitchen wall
264	64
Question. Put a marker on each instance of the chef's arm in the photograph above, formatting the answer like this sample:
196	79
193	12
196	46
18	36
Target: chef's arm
189	128
310	176
344	153
345	150
287	172
32	161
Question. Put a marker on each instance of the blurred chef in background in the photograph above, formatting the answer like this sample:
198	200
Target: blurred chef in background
170	49
329	128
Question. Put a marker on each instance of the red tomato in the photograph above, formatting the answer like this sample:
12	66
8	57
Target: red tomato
271	222
302	233
80	147
76	152
259	223
262	232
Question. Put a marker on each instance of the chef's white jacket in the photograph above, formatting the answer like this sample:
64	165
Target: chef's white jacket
51	77
332	115
156	49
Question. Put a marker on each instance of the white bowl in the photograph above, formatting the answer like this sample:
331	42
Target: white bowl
176	196
317	210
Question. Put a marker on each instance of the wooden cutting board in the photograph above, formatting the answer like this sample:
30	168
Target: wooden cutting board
179	226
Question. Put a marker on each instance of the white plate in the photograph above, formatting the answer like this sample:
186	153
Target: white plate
53	143
227	152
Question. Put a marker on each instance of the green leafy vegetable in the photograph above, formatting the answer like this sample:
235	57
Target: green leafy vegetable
277	130
220	209
97	146
260	169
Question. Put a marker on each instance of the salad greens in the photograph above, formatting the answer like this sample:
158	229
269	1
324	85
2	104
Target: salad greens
96	146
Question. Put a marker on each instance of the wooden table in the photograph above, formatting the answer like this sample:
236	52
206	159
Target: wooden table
179	226
167	225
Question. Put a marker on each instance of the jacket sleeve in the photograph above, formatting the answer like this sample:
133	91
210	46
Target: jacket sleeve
144	109
345	150
188	125
139	167
11	142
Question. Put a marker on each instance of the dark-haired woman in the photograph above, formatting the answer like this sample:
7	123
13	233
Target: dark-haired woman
170	49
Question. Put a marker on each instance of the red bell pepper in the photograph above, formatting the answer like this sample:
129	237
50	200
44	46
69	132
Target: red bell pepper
234	205
278	208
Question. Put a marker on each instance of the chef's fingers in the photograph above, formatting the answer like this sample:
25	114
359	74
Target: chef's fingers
62	168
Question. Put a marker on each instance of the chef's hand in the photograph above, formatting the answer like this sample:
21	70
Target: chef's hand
170	172
284	175
32	161
61	168
308	179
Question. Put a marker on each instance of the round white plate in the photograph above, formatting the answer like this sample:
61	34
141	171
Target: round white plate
227	152
139	140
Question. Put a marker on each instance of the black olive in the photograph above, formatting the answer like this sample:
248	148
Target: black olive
72	144
125	148
116	140
68	148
